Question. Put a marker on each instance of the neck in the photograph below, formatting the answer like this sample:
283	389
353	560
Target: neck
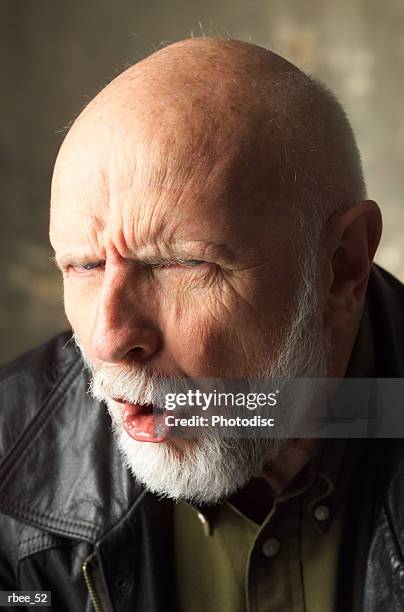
297	452
290	462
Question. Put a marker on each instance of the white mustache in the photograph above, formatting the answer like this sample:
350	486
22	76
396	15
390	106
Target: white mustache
130	383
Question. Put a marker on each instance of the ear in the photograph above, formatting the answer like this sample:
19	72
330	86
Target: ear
351	238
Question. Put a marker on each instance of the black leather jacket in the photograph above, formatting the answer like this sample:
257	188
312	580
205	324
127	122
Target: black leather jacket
73	521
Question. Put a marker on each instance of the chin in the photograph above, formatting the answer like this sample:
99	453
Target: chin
200	470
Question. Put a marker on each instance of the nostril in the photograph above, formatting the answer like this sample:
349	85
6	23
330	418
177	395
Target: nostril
137	353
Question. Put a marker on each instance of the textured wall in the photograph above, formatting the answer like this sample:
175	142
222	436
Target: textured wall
57	54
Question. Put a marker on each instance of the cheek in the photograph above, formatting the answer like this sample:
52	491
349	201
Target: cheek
215	334
80	307
198	341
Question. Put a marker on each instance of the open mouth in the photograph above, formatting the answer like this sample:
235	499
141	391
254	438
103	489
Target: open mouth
144	422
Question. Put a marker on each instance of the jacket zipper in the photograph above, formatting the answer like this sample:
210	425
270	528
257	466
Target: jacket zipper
93	594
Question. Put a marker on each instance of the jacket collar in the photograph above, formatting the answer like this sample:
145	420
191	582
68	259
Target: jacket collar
385	300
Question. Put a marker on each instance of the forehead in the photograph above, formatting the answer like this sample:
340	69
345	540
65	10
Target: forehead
150	182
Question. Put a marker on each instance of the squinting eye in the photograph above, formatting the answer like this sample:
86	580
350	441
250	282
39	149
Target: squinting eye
86	267
169	264
193	262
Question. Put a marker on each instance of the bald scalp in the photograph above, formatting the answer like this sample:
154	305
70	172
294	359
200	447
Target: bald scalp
199	101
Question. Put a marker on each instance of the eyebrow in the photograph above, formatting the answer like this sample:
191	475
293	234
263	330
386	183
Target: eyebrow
208	248
172	253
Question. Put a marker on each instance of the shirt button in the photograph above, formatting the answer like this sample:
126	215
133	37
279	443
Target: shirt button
205	524
271	547
321	513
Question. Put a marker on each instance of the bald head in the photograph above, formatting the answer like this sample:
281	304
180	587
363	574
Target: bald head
231	113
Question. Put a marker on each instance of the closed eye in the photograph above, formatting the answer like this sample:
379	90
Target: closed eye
168	264
86	267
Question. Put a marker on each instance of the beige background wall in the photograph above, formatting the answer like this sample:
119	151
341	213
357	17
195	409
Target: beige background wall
56	54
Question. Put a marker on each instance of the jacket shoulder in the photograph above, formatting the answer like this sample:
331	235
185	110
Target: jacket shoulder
44	360
28	382
384	578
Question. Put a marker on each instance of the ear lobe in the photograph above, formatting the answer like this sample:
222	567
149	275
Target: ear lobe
351	240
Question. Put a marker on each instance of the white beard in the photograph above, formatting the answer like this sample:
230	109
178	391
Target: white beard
213	466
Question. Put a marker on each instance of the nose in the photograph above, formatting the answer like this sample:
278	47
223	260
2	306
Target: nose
123	325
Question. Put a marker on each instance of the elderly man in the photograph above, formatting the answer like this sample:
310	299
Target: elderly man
210	219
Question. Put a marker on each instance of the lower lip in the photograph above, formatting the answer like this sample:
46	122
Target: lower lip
144	426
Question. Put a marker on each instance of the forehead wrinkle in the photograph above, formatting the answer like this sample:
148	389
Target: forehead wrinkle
152	167
148	201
